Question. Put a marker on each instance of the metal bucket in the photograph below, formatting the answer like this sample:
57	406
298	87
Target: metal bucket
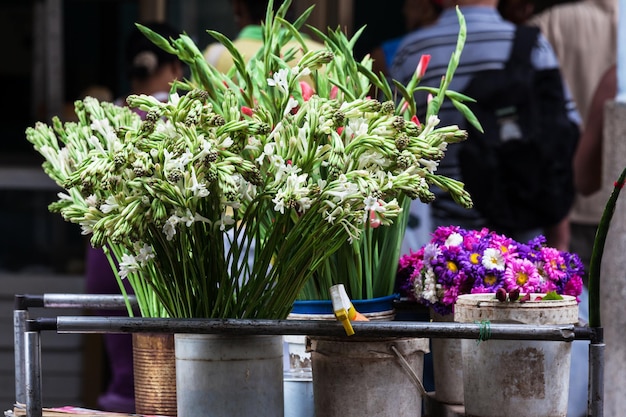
355	377
515	378
154	366
229	375
299	391
447	365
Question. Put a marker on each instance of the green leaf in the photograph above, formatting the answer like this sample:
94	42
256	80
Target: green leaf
552	295
468	114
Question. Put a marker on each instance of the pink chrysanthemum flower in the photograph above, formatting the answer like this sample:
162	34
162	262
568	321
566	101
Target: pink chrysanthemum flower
553	264
522	274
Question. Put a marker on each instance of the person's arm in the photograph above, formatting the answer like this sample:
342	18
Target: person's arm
558	236
588	156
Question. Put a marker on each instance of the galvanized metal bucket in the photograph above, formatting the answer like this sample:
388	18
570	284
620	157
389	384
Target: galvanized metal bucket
355	377
515	378
229	375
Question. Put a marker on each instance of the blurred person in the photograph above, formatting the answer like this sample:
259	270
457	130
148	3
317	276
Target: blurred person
488	44
150	71
97	91
517	11
249	15
584	37
588	157
417	14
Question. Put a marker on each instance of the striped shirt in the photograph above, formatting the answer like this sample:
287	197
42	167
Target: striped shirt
487	47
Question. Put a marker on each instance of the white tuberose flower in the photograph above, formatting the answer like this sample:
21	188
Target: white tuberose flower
128	265
279	79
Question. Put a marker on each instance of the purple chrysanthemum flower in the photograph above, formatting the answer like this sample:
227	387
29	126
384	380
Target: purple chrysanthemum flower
488	282
458	261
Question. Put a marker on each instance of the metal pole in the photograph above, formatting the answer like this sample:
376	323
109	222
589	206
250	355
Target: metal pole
596	379
22	302
91	301
32	362
19	327
372	329
596	374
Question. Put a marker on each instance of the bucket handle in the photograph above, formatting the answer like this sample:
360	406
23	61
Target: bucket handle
407	367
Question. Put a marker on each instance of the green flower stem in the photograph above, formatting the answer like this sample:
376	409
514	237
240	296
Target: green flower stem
598	250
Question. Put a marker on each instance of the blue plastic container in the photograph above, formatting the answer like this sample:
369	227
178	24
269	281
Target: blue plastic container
372	305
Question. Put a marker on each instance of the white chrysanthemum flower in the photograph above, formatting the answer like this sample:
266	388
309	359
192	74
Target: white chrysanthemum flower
493	259
429	292
455	239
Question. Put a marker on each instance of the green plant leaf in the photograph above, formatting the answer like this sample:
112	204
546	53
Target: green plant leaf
552	295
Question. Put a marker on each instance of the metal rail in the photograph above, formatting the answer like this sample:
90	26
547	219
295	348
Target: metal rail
24	302
371	329
31	330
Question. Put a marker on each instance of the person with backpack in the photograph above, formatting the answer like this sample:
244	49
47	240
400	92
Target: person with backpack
519	169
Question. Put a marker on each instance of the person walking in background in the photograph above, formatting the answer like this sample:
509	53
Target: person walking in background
588	157
584	37
150	71
488	45
249	14
417	14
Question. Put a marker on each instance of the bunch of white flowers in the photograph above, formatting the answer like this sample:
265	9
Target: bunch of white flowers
226	200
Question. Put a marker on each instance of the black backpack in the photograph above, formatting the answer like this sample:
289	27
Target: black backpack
519	171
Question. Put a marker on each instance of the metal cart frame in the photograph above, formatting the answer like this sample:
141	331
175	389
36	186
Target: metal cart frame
27	336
